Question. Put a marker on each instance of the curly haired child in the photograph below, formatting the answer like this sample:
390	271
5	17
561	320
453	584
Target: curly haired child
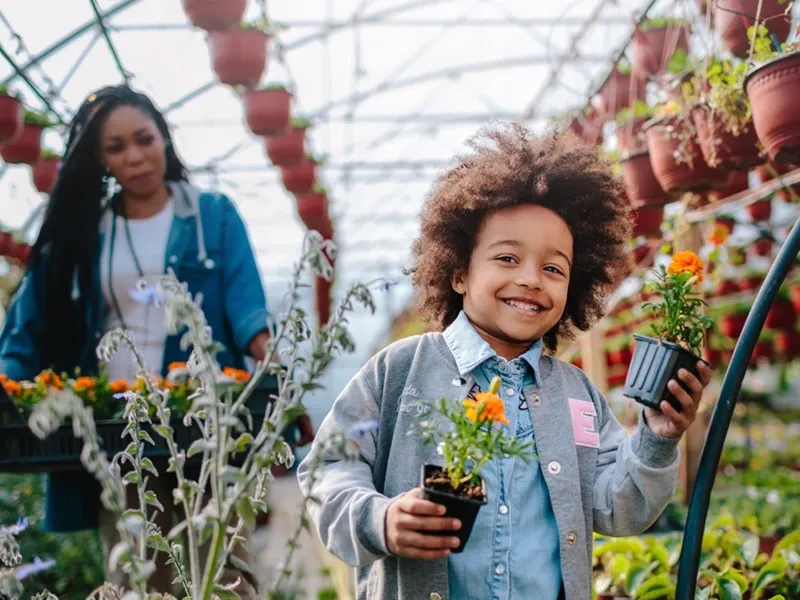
519	246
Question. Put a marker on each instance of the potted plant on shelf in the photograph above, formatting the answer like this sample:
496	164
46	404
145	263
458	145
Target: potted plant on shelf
239	54
268	110
723	117
629	122
655	41
215	14
27	147
772	88
641	184
12	115
474	436
733	19
289	147
300	179
679	331
45	171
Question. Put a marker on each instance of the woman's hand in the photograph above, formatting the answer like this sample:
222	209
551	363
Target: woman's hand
670	423
306	429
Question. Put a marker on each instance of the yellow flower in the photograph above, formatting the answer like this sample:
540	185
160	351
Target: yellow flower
487	406
686	262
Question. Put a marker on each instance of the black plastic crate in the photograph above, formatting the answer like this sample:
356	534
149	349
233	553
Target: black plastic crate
22	451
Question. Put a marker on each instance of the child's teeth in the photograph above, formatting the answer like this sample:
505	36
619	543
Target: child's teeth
530	307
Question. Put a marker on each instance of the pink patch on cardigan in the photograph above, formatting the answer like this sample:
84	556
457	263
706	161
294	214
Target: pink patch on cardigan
583	423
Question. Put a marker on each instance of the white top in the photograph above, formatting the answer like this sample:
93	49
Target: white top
143	319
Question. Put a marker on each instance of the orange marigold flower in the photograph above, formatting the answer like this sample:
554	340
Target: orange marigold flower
719	235
84	384
176	365
119	386
486	407
12	387
238	374
50	379
686	262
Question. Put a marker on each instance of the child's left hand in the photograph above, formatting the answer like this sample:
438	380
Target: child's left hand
670	423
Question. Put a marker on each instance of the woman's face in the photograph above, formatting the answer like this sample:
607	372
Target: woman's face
133	150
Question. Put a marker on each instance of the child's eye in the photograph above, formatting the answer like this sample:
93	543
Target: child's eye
506	259
553	269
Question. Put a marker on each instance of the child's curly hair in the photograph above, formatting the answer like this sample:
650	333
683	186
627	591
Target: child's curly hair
511	167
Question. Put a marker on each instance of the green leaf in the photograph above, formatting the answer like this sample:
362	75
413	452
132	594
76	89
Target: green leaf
151	499
198	447
132	477
729	589
147	465
225	594
245	510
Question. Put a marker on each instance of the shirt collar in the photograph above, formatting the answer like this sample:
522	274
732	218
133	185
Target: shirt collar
469	349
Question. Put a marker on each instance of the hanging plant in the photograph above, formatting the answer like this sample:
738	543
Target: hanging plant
751	282
588	126
239	54
773	88
782	314
12	115
640	182
268	110
300	179
769	171
733	19
763	246
629	126
322	296
647	221
289	148
45	171
737	183
312	207
27	147
732	323
760	210
655	41
621	90
215	14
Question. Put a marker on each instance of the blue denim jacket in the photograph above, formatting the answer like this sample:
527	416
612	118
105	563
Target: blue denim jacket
514	549
209	249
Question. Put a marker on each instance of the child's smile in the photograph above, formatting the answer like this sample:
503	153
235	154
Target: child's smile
516	287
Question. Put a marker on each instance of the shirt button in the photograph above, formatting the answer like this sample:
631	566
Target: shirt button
510	392
435	596
500	569
572	537
503	509
502	367
173	259
554	467
535	398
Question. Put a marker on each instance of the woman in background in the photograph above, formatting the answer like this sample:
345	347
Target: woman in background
120	214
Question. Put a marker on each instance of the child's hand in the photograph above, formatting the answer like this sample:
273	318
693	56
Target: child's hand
407	520
670	423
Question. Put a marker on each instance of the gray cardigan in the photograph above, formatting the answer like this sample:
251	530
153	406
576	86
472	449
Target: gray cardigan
598	478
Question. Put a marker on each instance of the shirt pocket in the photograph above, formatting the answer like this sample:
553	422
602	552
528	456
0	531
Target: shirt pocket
202	277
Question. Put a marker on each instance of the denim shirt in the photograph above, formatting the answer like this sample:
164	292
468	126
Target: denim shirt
496	564
208	249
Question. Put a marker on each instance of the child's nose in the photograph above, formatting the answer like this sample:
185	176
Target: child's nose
529	277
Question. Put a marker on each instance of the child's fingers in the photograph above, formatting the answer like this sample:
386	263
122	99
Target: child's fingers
695	385
413	504
687	402
417	523
424	554
679	420
705	372
411	540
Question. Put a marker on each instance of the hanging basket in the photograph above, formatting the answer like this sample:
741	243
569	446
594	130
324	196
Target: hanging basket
720	148
312	208
267	111
322	295
671	137
782	315
215	14
12	116
640	182
630	136
650	47
760	211
238	55
732	18
647	221
27	147
45	173
773	89
620	91
737	183
764	173
287	149
300	179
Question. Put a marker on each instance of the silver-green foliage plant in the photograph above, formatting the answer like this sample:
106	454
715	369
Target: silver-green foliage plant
225	498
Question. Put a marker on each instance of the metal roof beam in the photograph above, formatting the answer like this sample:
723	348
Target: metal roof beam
69	38
100	17
33	87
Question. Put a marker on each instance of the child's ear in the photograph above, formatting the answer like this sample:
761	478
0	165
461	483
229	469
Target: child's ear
457	282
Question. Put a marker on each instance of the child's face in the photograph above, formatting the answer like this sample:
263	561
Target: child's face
516	286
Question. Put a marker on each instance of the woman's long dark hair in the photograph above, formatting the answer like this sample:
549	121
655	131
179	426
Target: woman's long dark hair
68	241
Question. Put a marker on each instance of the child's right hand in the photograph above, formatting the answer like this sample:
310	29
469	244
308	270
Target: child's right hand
407	520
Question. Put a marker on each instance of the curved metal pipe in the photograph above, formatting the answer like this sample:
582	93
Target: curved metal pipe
689	562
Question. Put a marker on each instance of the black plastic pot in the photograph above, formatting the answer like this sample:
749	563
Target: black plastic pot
458	507
653	364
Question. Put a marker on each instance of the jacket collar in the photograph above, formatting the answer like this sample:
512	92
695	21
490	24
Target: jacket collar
470	350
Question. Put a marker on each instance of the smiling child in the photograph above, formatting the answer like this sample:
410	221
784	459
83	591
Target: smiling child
520	244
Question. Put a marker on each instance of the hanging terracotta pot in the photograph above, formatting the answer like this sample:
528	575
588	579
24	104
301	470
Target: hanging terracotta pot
721	149
726	287
288	148
215	14
763	246
300	179
7	243
640	253
732	325
751	283
20	252
737	183
630	136
712	356
794	292
773	89
727	222
313	209
27	147
671	137
267	111
322	294
763	351
620	91
12	116
767	172
45	173
640	182
588	126
760	210
782	315
238	55
732	18
647	221
787	343
652	48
